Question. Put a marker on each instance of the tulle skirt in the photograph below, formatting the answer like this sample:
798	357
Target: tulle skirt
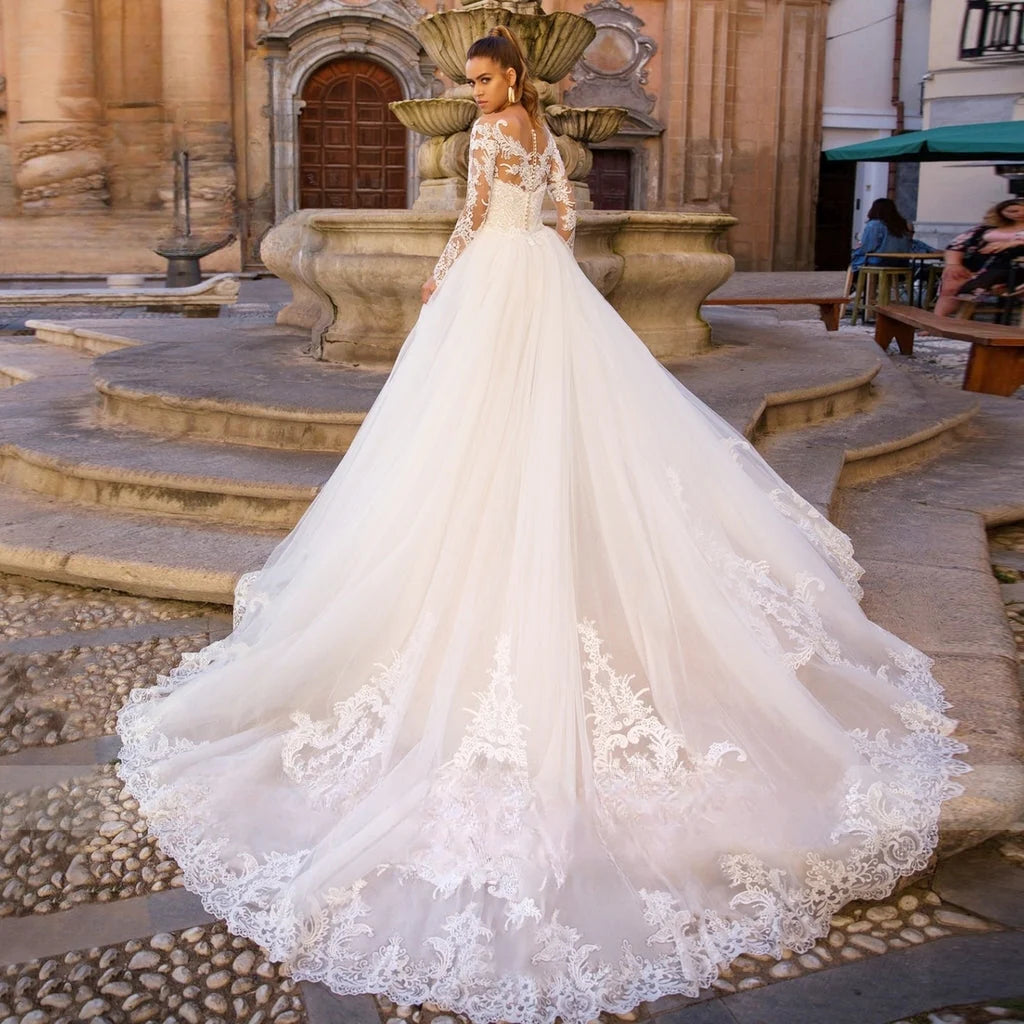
557	698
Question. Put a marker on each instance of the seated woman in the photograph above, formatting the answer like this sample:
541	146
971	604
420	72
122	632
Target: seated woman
979	261
887	230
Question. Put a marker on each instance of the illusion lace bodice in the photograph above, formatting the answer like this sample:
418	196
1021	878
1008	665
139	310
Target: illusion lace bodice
505	189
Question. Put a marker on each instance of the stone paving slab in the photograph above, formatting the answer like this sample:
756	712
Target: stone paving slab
24	939
966	619
920	534
218	621
955	970
84	753
324	1007
985	883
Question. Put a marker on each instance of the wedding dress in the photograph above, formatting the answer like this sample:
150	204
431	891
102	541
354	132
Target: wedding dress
558	697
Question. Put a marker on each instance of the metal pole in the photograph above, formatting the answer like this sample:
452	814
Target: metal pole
187	188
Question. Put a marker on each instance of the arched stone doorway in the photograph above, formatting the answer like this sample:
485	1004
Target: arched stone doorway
352	150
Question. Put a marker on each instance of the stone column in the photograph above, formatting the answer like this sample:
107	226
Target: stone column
129	67
197	100
56	117
742	109
8	200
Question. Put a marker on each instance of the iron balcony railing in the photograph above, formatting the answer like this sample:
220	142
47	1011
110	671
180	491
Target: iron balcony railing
992	28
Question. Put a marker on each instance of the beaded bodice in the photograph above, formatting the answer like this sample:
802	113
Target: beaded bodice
512	208
505	189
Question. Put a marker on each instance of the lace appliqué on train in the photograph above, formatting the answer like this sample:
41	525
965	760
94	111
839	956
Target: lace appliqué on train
884	829
773	611
642	768
477	825
336	759
828	540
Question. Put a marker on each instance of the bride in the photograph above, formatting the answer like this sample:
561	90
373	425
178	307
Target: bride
557	698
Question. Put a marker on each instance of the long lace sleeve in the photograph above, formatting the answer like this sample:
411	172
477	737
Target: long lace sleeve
483	152
561	191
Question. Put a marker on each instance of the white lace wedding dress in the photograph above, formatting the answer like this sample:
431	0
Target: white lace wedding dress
558	697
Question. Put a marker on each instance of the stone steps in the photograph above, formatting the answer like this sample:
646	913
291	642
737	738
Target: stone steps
921	538
83	457
258	387
67	468
154	556
913	420
79	461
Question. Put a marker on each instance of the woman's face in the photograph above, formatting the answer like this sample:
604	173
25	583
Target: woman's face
490	82
1013	211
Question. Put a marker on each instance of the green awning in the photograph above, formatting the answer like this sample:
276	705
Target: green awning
996	140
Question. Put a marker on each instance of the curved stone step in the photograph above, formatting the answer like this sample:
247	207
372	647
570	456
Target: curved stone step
765	376
913	420
51	446
75	335
257	387
154	556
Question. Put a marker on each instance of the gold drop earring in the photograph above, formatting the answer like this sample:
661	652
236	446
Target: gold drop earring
511	95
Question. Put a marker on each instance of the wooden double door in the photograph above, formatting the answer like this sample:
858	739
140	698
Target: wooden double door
352	149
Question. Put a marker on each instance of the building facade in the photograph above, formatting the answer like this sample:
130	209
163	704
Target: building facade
903	65
282	104
975	74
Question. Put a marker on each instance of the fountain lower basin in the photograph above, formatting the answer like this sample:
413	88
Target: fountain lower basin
356	275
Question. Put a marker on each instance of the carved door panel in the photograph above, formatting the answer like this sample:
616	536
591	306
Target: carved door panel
352	149
610	179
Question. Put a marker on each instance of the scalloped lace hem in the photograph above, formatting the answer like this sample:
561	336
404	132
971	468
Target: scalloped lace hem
889	829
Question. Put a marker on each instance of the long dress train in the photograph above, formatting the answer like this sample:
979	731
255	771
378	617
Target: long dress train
558	696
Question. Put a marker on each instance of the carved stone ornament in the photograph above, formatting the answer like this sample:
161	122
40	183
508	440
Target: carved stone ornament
613	69
282	8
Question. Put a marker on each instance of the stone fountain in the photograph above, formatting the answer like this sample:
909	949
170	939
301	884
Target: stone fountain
356	274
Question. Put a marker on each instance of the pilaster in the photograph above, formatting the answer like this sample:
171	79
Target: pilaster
56	118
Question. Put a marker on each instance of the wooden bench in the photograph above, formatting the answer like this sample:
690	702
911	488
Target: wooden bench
828	308
996	362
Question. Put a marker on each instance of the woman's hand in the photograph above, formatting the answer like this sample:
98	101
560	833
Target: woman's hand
428	289
1001	245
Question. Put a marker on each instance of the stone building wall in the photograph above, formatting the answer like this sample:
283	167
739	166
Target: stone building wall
96	96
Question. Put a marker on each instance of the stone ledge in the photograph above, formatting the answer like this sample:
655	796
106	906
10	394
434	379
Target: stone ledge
219	290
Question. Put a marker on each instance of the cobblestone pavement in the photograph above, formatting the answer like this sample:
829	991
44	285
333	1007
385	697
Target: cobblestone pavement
32	609
74	844
49	697
79	841
197	975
